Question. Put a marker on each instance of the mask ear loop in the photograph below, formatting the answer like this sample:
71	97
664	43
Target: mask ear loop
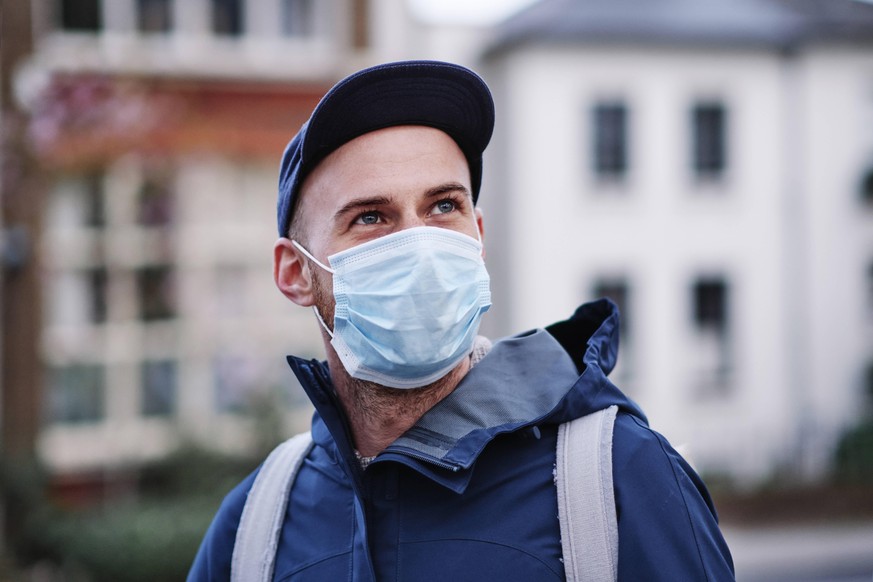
476	226
314	260
329	270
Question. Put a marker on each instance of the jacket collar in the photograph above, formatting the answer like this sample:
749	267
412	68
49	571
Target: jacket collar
542	376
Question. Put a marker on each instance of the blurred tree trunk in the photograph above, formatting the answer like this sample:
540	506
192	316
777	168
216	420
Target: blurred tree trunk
20	205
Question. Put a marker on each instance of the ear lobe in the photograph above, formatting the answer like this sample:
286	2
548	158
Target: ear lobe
291	273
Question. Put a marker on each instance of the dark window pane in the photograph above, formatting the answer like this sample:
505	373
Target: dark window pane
156	293
80	15
76	394
297	17
158	388
709	137
234	383
227	17
95	210
868	386
98	291
711	305
617	290
870	287
867	188
154	15
155	201
610	139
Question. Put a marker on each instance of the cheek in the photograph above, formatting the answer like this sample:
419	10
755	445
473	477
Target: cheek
322	291
322	284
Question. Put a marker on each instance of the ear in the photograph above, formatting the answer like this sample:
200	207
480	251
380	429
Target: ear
291	273
481	226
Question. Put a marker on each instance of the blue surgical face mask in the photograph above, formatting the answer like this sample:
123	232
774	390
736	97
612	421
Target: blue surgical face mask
408	305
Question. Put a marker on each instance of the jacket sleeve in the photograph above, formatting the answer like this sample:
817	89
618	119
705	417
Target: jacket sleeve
667	524
213	559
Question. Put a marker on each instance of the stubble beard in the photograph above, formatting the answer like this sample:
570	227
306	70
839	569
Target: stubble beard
367	401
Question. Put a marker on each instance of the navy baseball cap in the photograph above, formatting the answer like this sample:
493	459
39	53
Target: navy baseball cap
445	96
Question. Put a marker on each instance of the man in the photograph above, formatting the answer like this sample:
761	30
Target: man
434	452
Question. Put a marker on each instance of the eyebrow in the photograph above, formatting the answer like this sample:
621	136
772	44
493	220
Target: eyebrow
360	203
446	188
372	201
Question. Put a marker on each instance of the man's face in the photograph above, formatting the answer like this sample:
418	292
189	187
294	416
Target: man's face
383	182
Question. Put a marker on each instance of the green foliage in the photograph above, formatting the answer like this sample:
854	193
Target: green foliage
153	540
854	455
23	486
193	471
152	535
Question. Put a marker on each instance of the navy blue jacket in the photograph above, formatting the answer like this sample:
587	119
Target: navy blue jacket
468	493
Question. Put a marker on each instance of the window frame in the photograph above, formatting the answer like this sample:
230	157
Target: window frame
166	372
709	139
234	26
143	16
80	16
610	139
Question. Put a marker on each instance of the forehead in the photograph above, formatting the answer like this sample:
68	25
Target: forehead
396	162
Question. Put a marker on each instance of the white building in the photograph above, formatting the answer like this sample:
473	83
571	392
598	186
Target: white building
709	165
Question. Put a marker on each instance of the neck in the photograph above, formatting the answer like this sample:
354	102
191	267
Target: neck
379	415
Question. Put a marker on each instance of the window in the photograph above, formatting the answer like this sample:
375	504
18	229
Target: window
298	17
155	201
610	140
617	290
154	15
235	383
76	394
870	288
711	361
227	17
77	201
158	380
95	207
710	305
155	286
80	15
868	385
98	293
709	138
867	188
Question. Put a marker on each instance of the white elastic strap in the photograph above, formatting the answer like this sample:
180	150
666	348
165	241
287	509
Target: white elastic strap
321	321
476	228
257	537
586	500
308	254
326	268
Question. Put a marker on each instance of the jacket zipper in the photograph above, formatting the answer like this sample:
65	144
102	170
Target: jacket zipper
454	468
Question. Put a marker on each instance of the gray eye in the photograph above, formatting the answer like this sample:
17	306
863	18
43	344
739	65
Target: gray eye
444	206
368	218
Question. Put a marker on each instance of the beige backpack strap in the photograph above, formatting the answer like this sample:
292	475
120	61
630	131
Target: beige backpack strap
257	537
586	500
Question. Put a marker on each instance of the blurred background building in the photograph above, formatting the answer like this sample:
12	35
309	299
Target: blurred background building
707	165
157	127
